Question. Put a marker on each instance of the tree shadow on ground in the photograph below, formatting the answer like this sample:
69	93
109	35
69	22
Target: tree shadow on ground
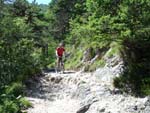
41	87
45	86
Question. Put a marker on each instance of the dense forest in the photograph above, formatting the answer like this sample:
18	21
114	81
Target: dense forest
29	34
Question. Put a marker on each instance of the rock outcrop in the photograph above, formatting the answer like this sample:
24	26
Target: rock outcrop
81	93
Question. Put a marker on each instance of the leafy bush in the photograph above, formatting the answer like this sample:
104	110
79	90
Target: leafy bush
14	88
24	103
23	33
9	107
135	77
17	62
11	100
115	49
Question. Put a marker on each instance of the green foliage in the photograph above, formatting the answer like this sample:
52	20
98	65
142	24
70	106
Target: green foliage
24	103
74	61
18	60
125	22
136	73
68	9
15	88
97	64
22	40
115	49
29	35
9	107
136	46
23	35
20	7
10	99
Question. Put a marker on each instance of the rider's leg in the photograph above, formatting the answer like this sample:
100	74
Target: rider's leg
62	65
58	64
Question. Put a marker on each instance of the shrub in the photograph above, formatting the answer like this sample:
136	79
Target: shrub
14	88
135	77
9	106
17	61
10	99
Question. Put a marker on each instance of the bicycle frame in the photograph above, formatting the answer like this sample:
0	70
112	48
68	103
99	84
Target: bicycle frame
59	65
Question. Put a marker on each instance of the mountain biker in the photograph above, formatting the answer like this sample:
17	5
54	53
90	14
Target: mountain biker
60	51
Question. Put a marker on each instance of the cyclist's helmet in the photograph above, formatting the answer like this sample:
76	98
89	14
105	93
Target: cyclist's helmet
61	44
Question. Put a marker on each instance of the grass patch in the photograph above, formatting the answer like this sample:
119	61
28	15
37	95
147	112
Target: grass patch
97	64
145	87
74	60
114	50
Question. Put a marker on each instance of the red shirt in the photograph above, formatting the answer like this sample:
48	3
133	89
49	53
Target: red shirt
60	51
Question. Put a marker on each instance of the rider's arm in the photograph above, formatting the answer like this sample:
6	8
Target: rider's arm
64	54
56	53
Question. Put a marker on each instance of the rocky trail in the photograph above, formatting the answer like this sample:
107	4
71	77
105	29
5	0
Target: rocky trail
78	92
49	94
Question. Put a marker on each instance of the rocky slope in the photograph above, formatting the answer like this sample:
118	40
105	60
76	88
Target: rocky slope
79	92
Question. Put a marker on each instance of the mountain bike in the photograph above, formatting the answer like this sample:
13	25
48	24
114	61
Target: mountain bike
60	65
